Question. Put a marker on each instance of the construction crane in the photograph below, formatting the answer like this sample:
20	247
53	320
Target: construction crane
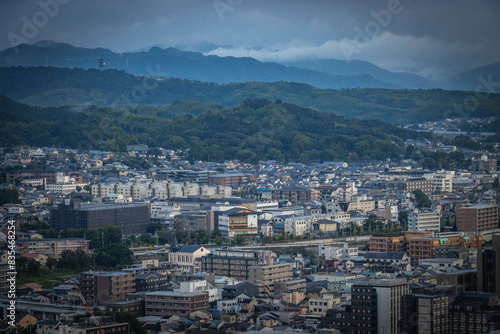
92	316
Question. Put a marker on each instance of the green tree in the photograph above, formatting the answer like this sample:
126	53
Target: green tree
421	199
9	196
114	255
73	259
33	267
51	262
496	183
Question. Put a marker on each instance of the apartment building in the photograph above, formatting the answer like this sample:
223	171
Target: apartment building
51	247
442	181
235	263
477	218
101	288
295	195
168	303
424	220
237	221
196	220
425	248
387	244
427	310
269	274
375	307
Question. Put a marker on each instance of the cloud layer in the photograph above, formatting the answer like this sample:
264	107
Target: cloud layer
431	38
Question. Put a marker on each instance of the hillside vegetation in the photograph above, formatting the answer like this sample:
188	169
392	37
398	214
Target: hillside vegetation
49	86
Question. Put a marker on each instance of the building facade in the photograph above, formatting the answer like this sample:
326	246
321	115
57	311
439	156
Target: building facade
129	218
477	218
424	220
52	247
168	303
101	288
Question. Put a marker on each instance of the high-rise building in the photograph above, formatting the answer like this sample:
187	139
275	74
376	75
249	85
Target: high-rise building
376	307
426	310
488	267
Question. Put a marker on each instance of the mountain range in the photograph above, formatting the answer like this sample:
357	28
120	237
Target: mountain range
51	86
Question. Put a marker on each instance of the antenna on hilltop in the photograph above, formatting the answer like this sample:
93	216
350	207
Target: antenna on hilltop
101	63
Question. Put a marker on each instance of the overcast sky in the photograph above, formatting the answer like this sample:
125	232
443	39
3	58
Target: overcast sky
431	38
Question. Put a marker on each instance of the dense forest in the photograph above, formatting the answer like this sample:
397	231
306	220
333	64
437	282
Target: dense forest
49	86
255	129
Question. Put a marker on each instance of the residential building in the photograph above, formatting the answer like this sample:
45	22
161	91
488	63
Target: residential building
484	163
388	261
101	288
290	286
425	247
4	284
235	263
387	244
427	310
237	221
196	220
327	253
424	220
295	195
475	312
319	306
150	282
375	307
269	274
477	218
51	247
462	280
442	181
228	179
168	303
188	258
408	186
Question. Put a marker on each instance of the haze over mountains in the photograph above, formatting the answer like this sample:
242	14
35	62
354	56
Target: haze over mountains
171	62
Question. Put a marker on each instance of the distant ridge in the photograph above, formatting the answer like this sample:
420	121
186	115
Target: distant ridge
171	62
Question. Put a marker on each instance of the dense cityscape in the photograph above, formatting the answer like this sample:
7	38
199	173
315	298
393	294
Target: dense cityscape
375	246
232	166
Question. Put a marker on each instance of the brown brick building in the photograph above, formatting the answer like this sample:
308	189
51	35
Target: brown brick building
425	248
388	244
102	288
477	218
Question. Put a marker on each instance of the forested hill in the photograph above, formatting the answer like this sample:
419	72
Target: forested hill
49	86
254	130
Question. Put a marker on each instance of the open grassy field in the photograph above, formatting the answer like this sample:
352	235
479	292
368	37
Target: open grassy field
48	278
